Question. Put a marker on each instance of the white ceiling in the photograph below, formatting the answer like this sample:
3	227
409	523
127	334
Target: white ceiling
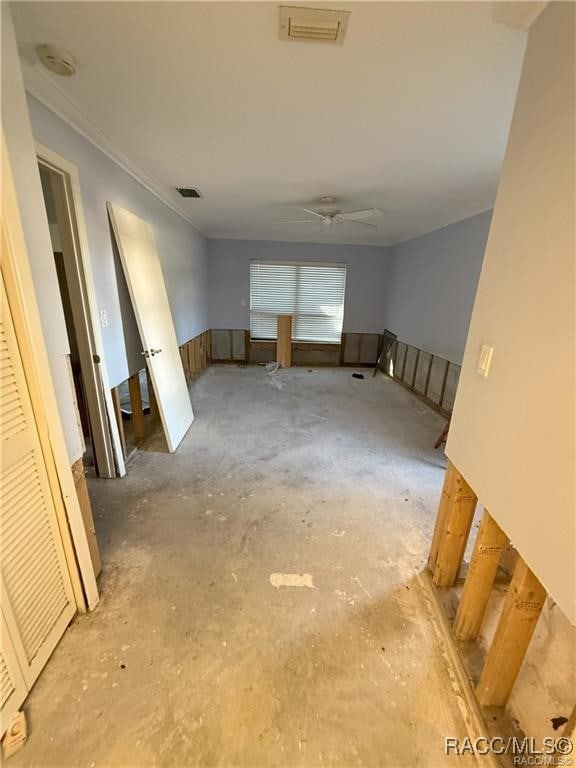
410	115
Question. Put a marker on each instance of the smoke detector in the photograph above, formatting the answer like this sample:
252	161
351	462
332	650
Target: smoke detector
313	25
57	60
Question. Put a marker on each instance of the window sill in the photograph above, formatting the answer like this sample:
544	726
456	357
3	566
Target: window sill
298	344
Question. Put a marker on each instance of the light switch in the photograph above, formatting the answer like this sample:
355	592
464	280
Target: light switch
483	367
104	318
242	302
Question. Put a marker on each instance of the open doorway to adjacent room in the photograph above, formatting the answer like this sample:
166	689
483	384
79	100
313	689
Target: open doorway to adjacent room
102	455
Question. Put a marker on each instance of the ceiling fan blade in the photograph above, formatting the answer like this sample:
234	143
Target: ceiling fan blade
356	215
295	221
314	213
362	223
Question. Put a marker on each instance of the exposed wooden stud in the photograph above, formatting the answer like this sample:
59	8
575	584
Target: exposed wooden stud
154	413
79	475
136	406
443	436
360	344
457	519
192	357
425	393
119	419
404	361
284	341
184	357
491	541
522	607
415	369
395	357
444	380
342	348
203	350
443	506
397	373
209	345
247	346
187	358
430	403
231	344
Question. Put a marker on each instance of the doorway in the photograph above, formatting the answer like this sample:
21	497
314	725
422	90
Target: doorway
96	420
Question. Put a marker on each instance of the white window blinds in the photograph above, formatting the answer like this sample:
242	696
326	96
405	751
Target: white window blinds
312	293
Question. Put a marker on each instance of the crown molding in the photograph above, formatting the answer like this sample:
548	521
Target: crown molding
41	87
517	13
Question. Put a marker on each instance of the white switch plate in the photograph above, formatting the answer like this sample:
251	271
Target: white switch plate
242	302
484	361
104	318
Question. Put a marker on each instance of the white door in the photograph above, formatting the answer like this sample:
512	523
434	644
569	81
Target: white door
137	247
36	597
13	689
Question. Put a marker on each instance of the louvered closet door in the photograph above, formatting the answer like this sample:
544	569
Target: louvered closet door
36	599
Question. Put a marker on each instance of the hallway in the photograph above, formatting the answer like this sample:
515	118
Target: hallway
197	654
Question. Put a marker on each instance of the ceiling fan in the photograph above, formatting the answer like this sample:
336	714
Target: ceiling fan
330	217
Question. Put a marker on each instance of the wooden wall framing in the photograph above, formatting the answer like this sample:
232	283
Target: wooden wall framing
230	345
523	602
195	356
431	378
360	350
234	345
79	475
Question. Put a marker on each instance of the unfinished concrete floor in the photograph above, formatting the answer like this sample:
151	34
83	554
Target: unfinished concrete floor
194	658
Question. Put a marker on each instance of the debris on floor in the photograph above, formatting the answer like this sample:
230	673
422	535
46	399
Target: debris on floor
183	583
357	375
271	368
291	580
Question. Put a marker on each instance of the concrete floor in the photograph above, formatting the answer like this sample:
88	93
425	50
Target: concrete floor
195	658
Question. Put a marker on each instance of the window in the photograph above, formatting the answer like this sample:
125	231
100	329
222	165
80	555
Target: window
312	293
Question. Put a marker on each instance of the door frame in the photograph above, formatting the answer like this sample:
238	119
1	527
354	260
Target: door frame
26	318
110	459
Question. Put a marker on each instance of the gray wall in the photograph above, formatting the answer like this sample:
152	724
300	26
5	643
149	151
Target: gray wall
229	279
182	248
22	157
513	433
431	284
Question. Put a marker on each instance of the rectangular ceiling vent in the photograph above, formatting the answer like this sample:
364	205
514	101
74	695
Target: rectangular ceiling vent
189	192
313	25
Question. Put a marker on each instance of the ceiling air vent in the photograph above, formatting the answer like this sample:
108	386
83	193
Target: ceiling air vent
313	25
189	192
